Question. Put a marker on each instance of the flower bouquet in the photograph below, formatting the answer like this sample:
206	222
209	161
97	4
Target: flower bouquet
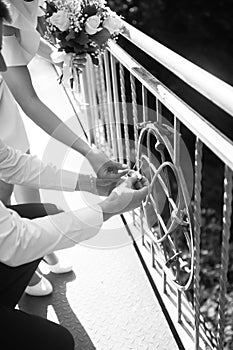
78	27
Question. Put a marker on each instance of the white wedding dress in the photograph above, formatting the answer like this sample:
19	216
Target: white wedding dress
12	130
17	51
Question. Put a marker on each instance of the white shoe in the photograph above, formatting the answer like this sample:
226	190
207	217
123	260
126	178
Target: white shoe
42	288
60	267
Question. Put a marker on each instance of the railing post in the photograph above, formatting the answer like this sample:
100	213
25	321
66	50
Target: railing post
144	103
158	111
124	112
104	102
116	108
197	237
87	102
101	125
179	310
93	102
135	114
110	107
227	209
176	159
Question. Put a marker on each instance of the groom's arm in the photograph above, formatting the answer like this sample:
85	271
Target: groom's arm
24	169
23	240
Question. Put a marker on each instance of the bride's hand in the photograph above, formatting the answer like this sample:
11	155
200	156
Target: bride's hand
104	167
79	61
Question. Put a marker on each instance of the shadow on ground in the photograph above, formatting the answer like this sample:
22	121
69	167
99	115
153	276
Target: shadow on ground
62	311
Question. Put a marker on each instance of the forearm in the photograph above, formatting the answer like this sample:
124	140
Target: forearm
109	208
24	240
38	112
106	214
23	169
85	183
52	125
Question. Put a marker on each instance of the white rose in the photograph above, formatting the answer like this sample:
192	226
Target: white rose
60	20
92	24
112	24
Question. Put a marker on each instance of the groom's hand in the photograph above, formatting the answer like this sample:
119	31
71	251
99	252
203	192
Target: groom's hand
125	197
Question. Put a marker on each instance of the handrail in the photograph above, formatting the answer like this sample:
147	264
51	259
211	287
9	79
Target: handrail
136	97
217	91
207	133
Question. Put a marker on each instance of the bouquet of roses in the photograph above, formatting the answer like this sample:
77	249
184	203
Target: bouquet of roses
80	27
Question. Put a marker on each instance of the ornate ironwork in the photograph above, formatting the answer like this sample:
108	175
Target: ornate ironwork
167	208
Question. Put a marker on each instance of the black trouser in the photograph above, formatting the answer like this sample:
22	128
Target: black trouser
19	330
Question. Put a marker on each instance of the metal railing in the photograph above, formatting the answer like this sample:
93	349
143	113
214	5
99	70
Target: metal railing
139	120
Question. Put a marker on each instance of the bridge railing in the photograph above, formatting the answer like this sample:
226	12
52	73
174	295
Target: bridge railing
182	230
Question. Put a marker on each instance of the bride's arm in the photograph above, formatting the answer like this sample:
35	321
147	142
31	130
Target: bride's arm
19	81
38	112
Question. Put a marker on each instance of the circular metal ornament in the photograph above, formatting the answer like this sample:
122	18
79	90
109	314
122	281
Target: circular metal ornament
166	209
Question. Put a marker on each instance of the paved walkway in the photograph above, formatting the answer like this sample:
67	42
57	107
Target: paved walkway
107	301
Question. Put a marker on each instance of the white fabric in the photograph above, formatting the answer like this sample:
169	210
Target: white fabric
12	130
23	240
21	49
24	169
24	14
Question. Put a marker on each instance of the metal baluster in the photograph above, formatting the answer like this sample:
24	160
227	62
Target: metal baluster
164	282
93	121
142	226
152	254
124	112
104	100
94	111
135	115
116	109
100	109
110	107
176	159
144	104
179	303
135	125
227	209
88	116
158	111
197	237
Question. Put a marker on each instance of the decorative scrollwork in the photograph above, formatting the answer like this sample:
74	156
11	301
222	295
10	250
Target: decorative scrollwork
167	209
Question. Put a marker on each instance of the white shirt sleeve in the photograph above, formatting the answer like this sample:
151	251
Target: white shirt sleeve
23	240
24	169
